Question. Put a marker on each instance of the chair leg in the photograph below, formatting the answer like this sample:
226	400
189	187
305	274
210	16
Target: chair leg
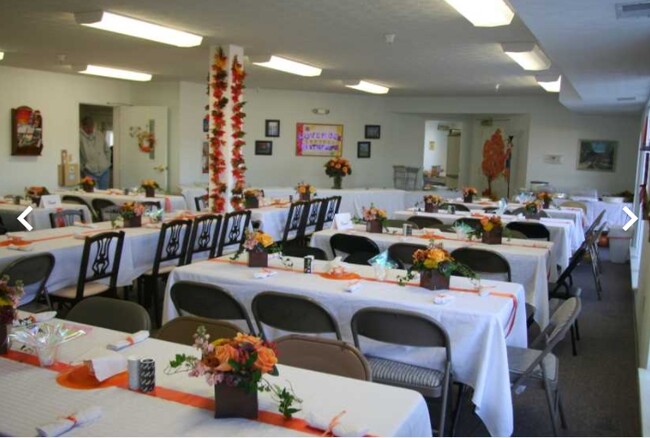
573	341
156	301
575	324
127	291
594	271
561	409
551	407
459	403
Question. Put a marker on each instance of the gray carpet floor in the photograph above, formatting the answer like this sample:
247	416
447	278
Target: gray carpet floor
599	386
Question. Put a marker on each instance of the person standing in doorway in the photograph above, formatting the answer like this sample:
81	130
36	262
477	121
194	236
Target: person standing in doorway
94	153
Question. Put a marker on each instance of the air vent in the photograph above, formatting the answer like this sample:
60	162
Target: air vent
633	10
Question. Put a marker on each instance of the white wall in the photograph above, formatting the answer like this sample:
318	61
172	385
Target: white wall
57	96
192	101
437	156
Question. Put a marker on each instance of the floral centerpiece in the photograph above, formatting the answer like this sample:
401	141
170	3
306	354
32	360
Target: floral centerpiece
235	368
469	193
531	209
305	191
252	198
9	300
545	197
149	186
491	230
337	168
259	245
375	218
35	193
87	183
435	266
432	203
131	213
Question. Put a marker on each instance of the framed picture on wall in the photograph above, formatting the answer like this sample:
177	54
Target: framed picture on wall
599	155
263	147
26	131
319	140
373	132
363	149
272	128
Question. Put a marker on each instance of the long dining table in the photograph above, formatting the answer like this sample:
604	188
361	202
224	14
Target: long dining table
481	319
38	218
532	262
181	405
168	202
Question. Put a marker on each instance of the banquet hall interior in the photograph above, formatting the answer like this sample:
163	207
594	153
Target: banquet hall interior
324	217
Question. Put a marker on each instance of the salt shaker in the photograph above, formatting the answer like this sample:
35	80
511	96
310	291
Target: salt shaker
147	375
308	260
133	368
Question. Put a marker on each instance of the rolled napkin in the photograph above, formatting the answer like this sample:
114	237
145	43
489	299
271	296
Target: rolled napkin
64	424
353	286
443	298
335	424
84	225
107	366
264	273
129	340
36	317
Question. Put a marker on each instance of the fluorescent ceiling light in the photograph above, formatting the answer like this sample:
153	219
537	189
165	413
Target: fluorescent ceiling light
136	28
550	84
368	87
116	73
528	55
2	56
484	13
288	66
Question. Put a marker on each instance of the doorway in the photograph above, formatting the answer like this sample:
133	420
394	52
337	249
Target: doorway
102	116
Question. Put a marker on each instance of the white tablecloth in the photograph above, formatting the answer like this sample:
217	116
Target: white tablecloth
137	253
177	202
477	325
272	220
529	260
614	214
37	399
192	192
562	231
39	218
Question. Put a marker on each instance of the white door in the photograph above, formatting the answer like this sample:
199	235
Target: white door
140	151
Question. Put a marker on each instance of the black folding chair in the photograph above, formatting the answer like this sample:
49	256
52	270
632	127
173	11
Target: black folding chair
458	207
201	202
65	218
233	230
304	251
425	221
204	236
531	230
359	249
34	271
294	227
402	253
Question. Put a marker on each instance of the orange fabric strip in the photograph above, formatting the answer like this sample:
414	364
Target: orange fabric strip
435	236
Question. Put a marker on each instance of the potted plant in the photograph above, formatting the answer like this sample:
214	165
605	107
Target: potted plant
235	367
468	194
432	203
435	266
87	183
531	209
149	186
131	213
546	198
252	198
9	300
375	218
337	168
491	230
259	245
305	191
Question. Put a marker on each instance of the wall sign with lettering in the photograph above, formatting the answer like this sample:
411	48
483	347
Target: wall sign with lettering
319	140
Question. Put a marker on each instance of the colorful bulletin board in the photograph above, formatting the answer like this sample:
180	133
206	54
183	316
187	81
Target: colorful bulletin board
319	140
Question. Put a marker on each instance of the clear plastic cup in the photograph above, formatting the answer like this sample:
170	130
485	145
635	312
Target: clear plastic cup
47	354
380	271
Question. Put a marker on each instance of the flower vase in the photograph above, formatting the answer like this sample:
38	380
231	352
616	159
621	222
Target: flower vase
337	182
468	199
133	222
547	203
305	196
150	192
430	207
251	202
88	188
4	338
36	200
258	259
374	226
492	237
433	280
234	402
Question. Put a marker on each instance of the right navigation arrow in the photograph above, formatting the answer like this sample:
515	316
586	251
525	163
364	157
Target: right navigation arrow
633	218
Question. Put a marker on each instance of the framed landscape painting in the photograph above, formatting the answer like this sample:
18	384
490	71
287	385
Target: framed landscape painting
597	155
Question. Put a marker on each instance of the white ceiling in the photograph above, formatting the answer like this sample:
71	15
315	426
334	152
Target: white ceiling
436	51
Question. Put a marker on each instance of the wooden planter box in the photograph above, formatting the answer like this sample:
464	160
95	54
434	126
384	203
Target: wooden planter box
493	237
433	280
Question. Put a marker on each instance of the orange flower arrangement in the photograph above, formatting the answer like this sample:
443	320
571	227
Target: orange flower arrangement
338	167
435	258
490	223
304	188
374	214
469	191
87	181
433	199
544	196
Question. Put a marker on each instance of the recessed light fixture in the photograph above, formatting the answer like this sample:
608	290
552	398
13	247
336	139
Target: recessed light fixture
137	28
484	13
368	87
320	111
110	72
288	66
551	84
2	56
528	55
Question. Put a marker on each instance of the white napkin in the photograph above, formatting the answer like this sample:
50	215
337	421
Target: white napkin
37	317
21	247
443	298
341	428
107	366
130	340
63	425
353	286
83	225
264	273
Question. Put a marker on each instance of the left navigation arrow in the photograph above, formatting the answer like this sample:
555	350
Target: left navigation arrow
22	217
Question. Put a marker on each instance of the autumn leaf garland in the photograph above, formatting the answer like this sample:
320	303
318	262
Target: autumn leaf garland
237	122
217	140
